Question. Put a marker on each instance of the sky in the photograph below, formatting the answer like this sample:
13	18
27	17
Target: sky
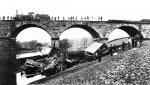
75	33
108	9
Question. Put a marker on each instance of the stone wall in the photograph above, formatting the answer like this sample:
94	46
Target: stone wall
7	50
145	31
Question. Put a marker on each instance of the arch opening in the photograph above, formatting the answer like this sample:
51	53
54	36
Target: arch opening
31	40
77	38
130	30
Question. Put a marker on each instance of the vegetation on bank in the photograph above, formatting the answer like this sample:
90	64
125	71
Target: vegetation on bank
30	45
129	68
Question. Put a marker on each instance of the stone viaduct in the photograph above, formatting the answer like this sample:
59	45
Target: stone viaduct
9	29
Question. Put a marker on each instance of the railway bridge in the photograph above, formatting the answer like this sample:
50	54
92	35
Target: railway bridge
9	29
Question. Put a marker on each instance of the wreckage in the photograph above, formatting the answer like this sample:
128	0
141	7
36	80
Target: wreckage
46	66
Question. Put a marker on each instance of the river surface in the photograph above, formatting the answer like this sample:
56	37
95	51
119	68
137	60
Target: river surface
45	51
22	80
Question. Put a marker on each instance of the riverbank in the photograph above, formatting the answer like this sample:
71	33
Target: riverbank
130	67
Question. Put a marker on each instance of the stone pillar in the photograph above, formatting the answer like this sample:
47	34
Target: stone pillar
7	61
140	27
55	42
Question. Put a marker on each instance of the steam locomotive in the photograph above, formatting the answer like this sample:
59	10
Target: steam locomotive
32	16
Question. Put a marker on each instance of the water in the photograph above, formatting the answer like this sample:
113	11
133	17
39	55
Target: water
45	51
22	80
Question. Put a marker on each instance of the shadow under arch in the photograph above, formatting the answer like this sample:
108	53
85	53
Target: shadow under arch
15	32
130	30
94	34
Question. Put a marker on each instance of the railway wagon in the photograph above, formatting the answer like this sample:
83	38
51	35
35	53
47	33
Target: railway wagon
96	51
117	39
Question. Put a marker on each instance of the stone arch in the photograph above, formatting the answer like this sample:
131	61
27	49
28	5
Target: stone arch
17	30
130	30
94	34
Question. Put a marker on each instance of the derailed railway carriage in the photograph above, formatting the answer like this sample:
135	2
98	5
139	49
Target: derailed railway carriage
118	39
96	51
32	67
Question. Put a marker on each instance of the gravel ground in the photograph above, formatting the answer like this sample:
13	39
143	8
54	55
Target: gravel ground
129	68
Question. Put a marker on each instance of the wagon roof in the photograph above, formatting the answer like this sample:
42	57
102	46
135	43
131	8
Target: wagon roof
93	47
117	34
